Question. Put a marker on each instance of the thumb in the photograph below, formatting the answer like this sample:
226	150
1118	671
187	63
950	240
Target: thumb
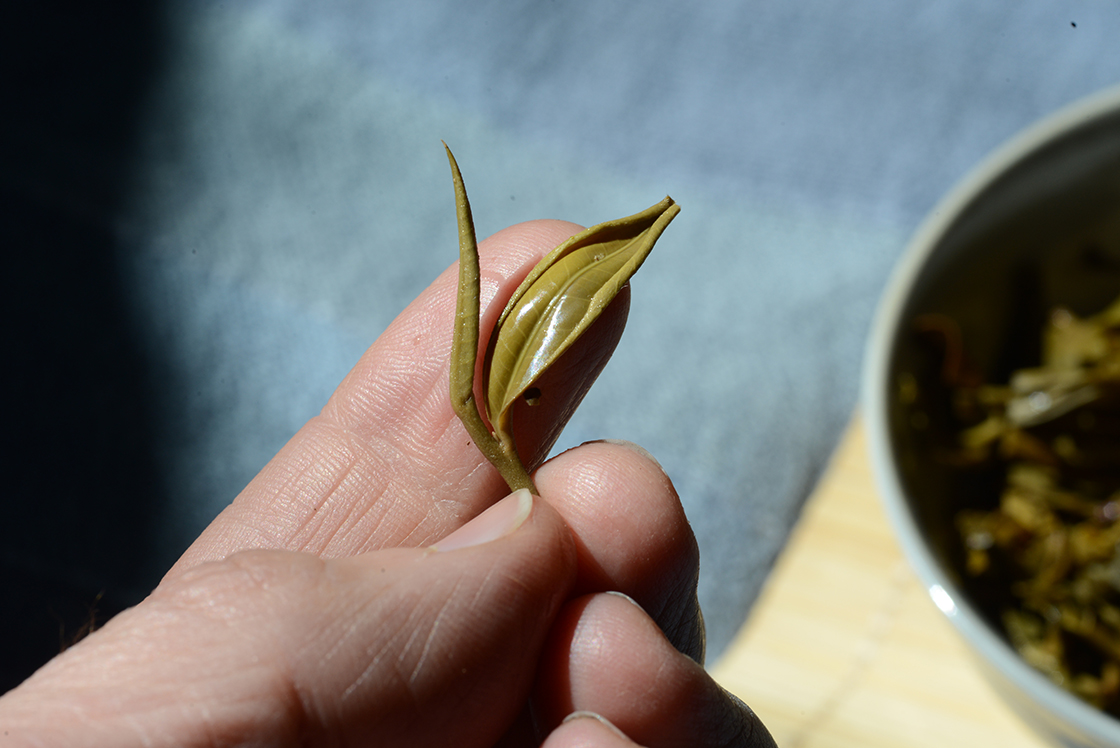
457	628
407	646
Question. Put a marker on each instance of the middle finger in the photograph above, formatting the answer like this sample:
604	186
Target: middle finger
631	534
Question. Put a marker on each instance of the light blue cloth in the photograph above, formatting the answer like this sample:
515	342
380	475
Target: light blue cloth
292	197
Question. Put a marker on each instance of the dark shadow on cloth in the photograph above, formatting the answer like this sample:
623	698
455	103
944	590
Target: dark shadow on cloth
79	482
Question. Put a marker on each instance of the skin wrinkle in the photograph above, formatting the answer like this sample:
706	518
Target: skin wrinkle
339	623
170	606
137	728
433	412
343	516
389	460
400	664
269	528
486	596
341	643
505	578
294	493
433	630
414	529
316	514
447	512
316	461
447	433
377	656
681	629
491	579
367	504
411	604
250	536
596	644
213	591
454	482
403	605
404	384
655	683
744	727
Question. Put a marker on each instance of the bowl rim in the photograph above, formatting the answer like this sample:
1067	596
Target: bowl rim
874	406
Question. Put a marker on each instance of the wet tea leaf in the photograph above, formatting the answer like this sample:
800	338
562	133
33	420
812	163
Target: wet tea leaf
561	297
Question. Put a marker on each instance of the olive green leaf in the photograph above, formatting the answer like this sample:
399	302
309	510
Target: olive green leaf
561	297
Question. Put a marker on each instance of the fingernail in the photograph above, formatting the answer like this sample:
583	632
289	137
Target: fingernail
625	597
584	714
496	522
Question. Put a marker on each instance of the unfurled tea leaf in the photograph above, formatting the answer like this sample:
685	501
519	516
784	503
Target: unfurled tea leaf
562	296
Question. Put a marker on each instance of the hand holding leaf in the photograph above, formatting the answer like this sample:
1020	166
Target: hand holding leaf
562	296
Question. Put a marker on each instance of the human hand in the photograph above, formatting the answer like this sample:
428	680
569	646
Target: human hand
314	611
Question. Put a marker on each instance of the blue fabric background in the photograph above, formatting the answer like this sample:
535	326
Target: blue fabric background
286	195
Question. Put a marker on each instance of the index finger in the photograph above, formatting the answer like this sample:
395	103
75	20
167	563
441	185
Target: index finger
386	462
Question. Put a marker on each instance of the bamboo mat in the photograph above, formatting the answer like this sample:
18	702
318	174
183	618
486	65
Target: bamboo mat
844	647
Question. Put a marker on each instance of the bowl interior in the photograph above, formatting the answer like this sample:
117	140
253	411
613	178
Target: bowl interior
1044	232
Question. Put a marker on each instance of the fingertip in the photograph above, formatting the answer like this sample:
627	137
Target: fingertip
636	448
631	532
535	235
606	655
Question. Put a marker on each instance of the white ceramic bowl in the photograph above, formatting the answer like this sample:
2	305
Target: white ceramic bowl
1012	239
